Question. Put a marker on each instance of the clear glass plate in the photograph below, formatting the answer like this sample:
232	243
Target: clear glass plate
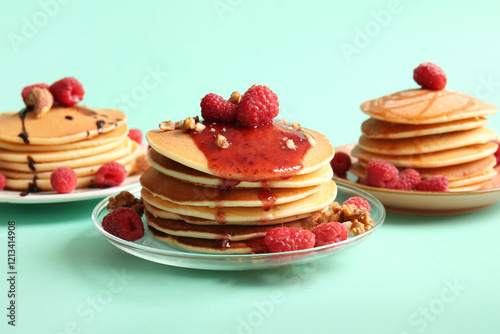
151	249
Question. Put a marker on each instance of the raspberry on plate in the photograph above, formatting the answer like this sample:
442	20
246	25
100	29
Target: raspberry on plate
135	135
3	181
259	105
67	91
381	174
111	174
329	233
341	163
215	108
27	89
408	179
286	239
433	183
430	76
359	202
63	180
124	223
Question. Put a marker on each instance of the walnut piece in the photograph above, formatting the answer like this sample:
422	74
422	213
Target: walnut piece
126	200
167	126
235	98
290	144
188	124
40	99
357	220
221	141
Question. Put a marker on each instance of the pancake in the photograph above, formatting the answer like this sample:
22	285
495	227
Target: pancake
180	147
244	215
174	169
160	185
374	128
60	125
422	106
117	134
431	160
125	148
229	232
426	144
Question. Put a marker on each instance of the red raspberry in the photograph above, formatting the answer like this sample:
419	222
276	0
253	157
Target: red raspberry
27	89
259	105
285	239
215	108
3	181
497	153
381	174
408	179
329	233
359	202
124	223
341	163
135	135
67	91
111	174
433	183
430	76
63	180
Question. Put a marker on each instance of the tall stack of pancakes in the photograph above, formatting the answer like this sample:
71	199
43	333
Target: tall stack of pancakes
435	132
78	137
190	206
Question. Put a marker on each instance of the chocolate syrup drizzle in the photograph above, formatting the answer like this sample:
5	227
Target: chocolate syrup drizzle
22	116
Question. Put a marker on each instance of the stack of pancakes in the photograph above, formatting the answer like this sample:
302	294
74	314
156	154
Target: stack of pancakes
77	137
187	205
435	132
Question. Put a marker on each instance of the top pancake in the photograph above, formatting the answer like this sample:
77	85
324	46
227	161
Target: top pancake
180	147
60	125
423	106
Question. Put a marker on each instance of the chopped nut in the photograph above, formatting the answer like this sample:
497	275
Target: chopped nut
188	124
41	100
142	163
212	129
235	98
309	138
296	126
167	126
126	200
221	141
199	127
283	121
290	144
359	218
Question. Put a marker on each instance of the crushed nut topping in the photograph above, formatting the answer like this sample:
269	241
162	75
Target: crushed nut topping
283	121
309	138
295	126
290	144
235	98
221	141
199	127
212	129
167	126
359	218
188	124
126	200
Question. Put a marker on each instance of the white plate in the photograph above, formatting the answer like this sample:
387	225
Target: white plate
424	202
9	196
153	250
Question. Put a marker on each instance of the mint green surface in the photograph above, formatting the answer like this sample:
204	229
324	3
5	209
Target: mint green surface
156	60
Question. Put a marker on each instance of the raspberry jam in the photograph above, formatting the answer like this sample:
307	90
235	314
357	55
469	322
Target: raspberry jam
254	154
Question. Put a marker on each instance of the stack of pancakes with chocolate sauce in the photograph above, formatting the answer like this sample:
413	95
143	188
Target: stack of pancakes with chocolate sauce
436	132
201	197
78	137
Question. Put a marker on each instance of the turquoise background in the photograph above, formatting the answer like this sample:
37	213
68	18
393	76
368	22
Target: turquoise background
155	60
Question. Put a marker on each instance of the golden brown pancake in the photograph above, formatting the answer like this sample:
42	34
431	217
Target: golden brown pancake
374	128
161	185
60	125
422	106
434	159
426	144
180	147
